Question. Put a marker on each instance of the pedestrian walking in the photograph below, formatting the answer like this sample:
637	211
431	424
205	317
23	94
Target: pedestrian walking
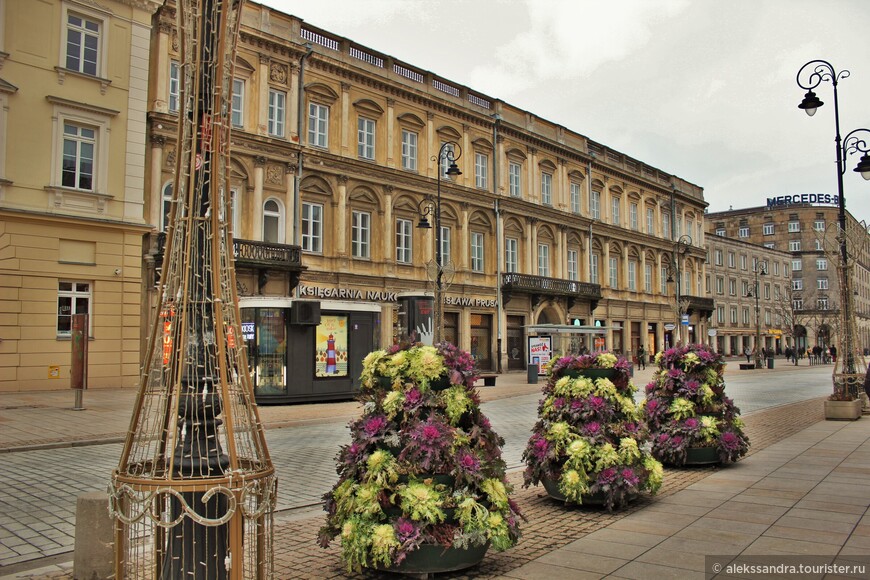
833	350
748	352
641	357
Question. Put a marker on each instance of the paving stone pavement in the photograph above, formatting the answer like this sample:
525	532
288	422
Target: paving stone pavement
300	451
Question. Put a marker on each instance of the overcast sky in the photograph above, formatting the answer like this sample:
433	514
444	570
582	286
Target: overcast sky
702	89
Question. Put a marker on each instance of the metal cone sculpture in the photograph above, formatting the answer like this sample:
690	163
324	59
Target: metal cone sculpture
194	490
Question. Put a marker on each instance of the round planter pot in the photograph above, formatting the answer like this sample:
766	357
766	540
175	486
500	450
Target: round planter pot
434	559
552	487
702	456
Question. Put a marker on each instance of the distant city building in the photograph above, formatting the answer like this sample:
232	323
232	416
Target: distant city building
808	232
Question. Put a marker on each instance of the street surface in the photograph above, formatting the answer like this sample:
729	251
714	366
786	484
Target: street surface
39	487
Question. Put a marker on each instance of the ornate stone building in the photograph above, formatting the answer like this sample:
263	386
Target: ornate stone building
335	159
808	232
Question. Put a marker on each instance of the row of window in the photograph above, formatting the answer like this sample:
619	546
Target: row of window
718	260
769	317
768	229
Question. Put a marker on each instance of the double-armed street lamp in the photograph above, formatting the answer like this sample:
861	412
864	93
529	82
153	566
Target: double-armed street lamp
819	71
449	152
681	247
758	271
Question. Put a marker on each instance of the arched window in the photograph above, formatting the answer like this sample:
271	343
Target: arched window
166	212
273	222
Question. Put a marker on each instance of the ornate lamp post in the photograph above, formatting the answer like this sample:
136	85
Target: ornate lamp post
758	271
681	246
819	71
446	154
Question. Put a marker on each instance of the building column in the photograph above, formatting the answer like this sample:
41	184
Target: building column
604	269
532	161
431	149
157	143
293	212
464	239
345	120
161	52
341	218
561	252
257	210
391	122
263	95
293	124
532	247
389	239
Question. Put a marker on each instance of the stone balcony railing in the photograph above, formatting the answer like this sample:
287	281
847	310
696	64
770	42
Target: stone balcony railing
541	287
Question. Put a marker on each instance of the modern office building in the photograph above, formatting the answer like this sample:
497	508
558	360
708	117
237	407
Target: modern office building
336	153
808	232
73	81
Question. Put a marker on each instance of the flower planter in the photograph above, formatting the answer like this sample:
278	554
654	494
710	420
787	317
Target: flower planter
442	383
702	456
435	559
843	410
592	373
597	499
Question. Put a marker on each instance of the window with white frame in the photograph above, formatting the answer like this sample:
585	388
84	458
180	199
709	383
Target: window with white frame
543	260
595	205
574	191
733	315
821	264
818	245
743	232
767	229
318	125
511	262
572	265
515	179
666	225
822	283
83	38
770	245
794	245
445	244
72	298
732	287
448	154
477	251
273	222
690	226
360	236
767	317
277	101
794	226
166	213
547	188
720	232
746	318
237	117
614	210
745	288
409	150
797	284
663	280
720	314
679	226
403	241
785	270
593	269
717	255
481	170
312	227
632	275
822	303
720	285
797	304
796	265
731	263
650	221
767	291
819	225
647	278
236	211
632	216
79	151
365	146
174	84
776	268
614	272
777	293
742	261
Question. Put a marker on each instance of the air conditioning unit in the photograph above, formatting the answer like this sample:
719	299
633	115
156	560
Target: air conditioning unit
305	312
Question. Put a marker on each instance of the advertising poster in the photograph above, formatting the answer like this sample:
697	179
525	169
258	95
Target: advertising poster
331	346
540	349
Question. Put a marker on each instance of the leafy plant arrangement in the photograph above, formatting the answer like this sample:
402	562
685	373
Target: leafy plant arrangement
588	441
686	408
424	466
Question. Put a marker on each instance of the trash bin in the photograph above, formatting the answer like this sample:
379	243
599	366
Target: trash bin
770	362
533	374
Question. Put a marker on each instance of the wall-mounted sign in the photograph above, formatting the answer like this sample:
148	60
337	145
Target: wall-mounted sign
540	349
811	198
712	332
54	372
670	326
475	302
355	294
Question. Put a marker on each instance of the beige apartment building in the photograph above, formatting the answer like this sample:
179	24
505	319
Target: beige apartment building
73	80
336	156
808	233
743	277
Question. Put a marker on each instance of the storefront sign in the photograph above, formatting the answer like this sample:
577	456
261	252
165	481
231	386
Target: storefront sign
811	198
248	330
474	302
539	352
345	294
670	326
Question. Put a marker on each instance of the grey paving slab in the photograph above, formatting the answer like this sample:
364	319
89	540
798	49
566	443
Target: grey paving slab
586	562
540	571
589	545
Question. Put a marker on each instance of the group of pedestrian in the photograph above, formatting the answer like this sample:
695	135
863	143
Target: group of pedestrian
816	354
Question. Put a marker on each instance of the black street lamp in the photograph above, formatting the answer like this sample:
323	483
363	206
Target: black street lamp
824	71
758	271
446	154
681	247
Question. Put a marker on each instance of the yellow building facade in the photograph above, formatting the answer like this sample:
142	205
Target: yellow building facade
72	148
336	153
